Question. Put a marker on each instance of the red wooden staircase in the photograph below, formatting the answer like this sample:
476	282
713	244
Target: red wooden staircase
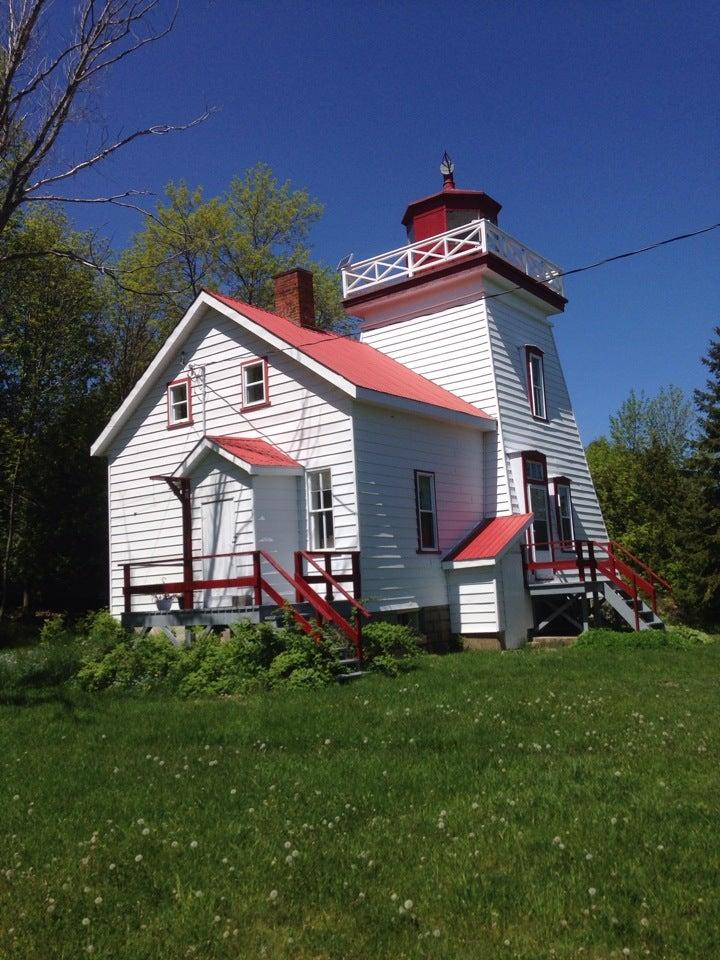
308	571
599	568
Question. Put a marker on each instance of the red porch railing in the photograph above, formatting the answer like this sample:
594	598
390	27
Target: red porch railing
258	582
607	558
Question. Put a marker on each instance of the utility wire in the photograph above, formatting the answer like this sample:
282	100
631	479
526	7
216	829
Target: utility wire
504	293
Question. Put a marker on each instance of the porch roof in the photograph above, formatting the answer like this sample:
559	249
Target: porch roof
252	454
490	538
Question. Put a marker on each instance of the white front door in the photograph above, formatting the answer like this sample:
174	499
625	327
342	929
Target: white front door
218	537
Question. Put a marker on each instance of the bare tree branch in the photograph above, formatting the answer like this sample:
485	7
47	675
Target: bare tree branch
45	79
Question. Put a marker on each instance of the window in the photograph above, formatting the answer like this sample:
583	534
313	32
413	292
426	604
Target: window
320	509
536	382
179	403
426	511
255	384
564	511
536	499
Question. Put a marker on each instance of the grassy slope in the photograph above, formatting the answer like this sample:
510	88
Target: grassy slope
449	787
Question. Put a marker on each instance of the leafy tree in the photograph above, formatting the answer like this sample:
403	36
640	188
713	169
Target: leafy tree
648	492
706	465
50	354
234	243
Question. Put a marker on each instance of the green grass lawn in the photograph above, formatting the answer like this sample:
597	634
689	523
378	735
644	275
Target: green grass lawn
552	804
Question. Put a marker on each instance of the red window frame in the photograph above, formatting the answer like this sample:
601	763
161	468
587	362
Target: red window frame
420	547
535	456
532	351
260	404
566	544
174	425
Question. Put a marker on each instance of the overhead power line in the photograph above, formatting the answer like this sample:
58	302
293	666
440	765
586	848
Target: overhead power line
565	273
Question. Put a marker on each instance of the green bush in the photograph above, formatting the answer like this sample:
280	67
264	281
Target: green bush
679	637
137	662
98	633
388	645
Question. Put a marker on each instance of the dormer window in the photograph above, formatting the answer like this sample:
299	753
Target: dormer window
179	403
255	384
536	382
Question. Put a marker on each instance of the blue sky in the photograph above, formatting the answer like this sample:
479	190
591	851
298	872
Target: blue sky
596	125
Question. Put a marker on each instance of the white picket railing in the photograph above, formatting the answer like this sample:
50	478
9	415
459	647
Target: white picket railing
480	236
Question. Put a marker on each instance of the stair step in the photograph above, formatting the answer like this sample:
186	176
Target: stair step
350	662
351	675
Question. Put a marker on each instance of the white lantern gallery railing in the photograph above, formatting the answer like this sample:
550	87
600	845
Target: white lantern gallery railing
480	236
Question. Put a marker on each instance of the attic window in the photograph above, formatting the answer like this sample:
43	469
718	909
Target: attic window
255	384
179	403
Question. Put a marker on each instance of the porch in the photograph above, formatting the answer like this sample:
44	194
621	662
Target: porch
257	595
571	580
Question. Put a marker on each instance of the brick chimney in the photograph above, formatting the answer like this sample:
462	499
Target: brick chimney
294	297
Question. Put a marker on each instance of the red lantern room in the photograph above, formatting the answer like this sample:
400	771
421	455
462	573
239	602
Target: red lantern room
448	209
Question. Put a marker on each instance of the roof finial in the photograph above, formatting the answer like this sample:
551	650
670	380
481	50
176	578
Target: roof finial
446	169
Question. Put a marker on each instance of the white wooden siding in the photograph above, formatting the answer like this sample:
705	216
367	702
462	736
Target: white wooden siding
515	602
477	350
473	600
308	418
389	447
512	327
451	346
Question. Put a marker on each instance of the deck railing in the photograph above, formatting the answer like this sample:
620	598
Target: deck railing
592	558
259	585
479	236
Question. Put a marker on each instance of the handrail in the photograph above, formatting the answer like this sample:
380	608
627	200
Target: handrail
334	583
611	566
477	236
303	590
653	575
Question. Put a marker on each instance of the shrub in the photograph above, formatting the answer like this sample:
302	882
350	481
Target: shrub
386	643
137	662
98	633
679	637
687	637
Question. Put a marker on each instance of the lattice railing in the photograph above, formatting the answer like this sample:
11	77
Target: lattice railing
480	236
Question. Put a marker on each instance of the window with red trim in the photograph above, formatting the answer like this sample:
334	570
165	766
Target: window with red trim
536	496
255	391
426	511
564	512
179	403
536	382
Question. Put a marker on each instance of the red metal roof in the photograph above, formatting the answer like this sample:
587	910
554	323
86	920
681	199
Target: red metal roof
361	364
253	450
490	537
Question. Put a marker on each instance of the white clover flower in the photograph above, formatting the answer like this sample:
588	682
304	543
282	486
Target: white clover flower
98	901
174	844
233	792
86	921
393	897
273	895
436	932
112	867
287	844
145	831
592	891
138	857
408	904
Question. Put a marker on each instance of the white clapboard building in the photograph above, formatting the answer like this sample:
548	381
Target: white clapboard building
428	470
